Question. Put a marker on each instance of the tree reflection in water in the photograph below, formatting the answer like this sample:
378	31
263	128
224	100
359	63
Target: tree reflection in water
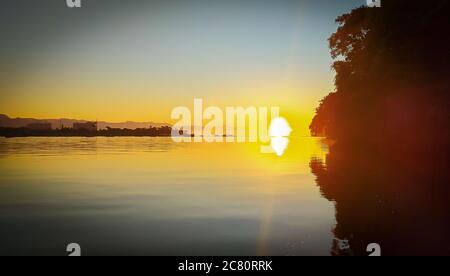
398	198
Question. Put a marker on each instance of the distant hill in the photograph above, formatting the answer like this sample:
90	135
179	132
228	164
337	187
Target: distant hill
6	121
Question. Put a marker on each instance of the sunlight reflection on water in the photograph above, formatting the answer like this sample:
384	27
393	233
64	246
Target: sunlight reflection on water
151	196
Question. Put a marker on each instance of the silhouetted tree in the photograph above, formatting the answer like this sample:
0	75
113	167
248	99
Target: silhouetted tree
392	69
387	171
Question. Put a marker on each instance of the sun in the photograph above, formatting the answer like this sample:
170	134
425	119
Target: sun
279	132
279	127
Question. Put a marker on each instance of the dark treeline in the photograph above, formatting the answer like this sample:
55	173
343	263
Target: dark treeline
392	69
69	132
387	170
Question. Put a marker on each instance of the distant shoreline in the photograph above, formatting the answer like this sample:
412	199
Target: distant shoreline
164	131
85	136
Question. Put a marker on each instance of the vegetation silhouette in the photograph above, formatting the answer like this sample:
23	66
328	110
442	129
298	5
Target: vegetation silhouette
392	65
387	169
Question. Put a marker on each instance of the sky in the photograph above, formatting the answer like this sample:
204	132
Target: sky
115	60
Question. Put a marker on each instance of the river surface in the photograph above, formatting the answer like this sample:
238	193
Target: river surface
151	196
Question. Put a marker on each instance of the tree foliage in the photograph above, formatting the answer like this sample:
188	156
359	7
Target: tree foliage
392	69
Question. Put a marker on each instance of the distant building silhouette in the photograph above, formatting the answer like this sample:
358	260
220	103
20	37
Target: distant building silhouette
39	126
91	126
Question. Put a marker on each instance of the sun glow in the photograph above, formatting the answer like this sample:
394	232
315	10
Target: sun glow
279	132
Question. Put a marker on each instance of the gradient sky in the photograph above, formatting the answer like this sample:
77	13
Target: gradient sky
135	60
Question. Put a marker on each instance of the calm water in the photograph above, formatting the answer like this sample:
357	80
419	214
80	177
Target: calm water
150	196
